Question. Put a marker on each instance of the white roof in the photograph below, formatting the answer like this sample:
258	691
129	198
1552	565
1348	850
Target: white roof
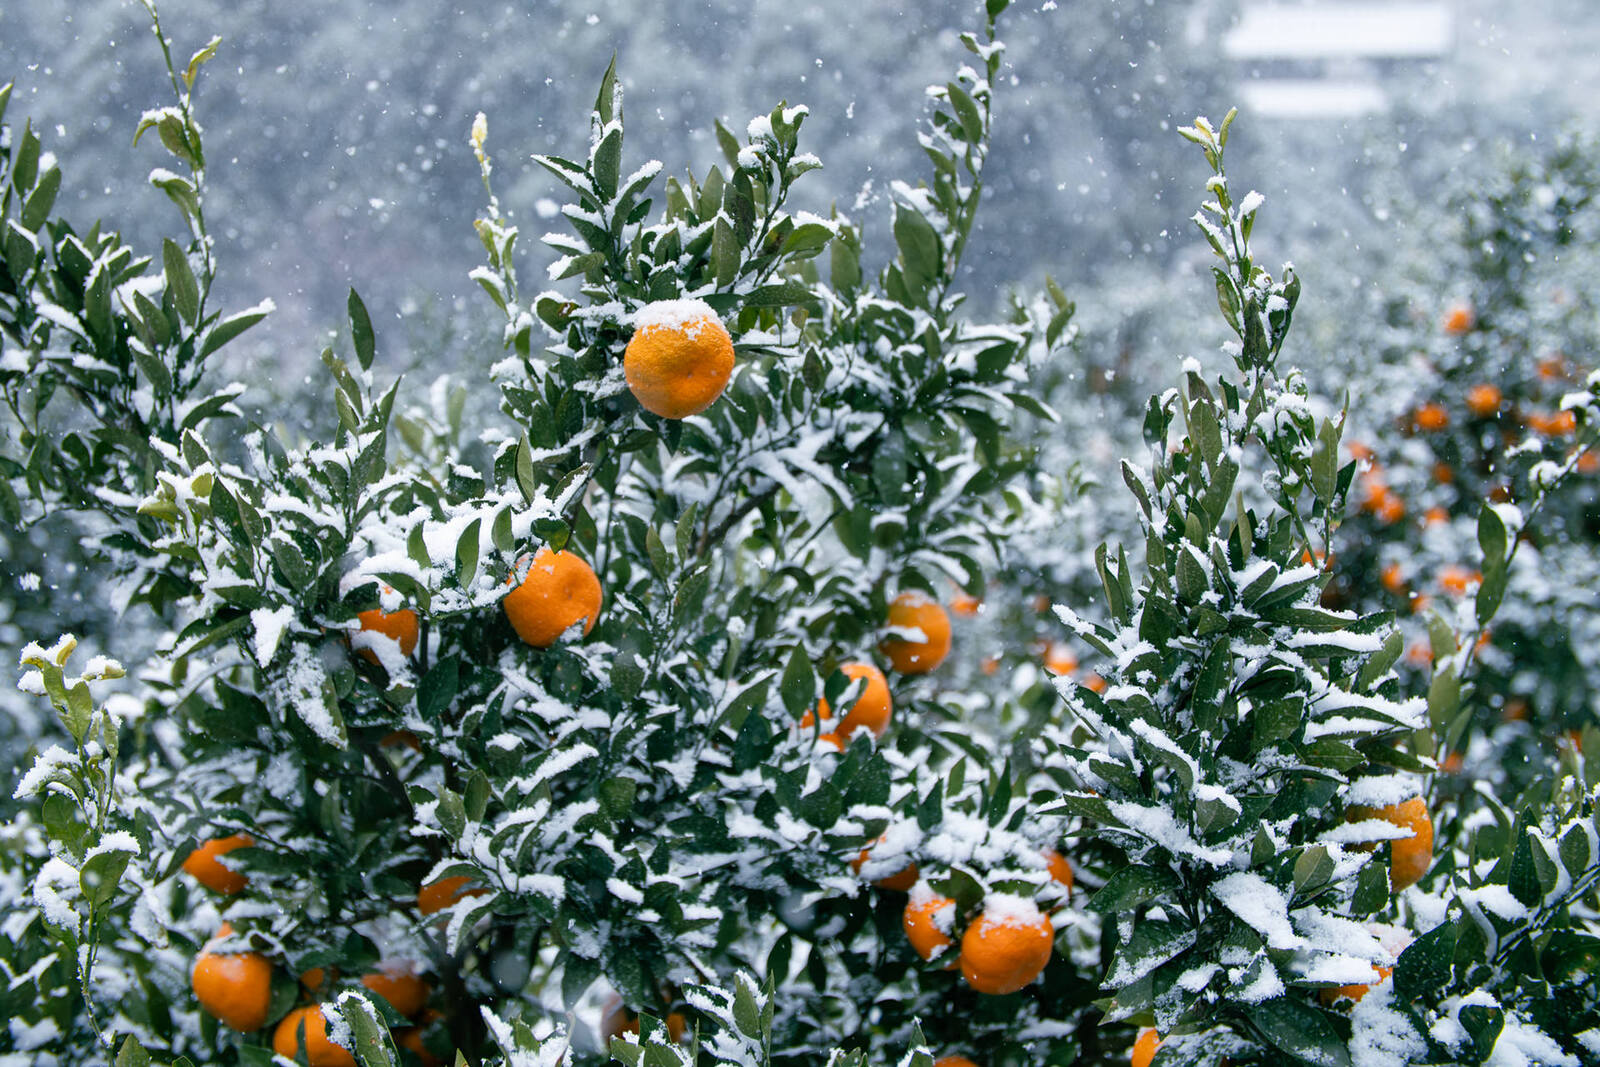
1353	29
1305	98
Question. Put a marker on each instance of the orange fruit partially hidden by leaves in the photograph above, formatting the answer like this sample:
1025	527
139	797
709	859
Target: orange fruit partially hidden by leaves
1459	319
1431	418
1409	857
1144	1048
679	359
319	1051
1457	580
203	867
953	1061
913	610
410	1037
235	987
436	896
559	591
1059	868
1058	659
1483	399
927	922
616	1020
1006	947
1353	992
1553	424
401	739
966	605
400	626
899	882
872	708
397	982
314	978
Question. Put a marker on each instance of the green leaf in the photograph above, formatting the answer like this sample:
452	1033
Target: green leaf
724	253
608	163
467	554
36	208
452	812
438	688
799	684
372	1044
227	329
967	112
617	795
1372	889
1522	879
25	160
1492	536
198	60
746	1013
102	874
525	480
180	281
1132	886
361	335
1423	969
787	293
1484	1024
919	247
1300	1030
131	1054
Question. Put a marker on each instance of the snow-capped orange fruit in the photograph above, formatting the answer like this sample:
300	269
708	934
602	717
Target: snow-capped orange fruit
927	922
680	358
915	610
872	708
202	865
560	590
1006	947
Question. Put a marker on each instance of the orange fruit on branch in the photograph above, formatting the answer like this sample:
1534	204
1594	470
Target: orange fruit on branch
1459	319
679	359
1484	399
319	1050
953	1061
1409	857
1144	1047
912	654
235	987
1007	946
410	1037
397	982
436	896
203	867
966	605
1431	418
927	921
1332	995
560	590
900	882
1058	659
399	626
872	708
1058	866
1456	580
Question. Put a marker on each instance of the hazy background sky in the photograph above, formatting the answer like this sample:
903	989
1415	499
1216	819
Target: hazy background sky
337	130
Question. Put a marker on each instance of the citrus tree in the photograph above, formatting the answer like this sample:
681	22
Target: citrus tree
445	735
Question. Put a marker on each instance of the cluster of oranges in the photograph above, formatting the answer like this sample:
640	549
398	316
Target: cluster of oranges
235	986
1003	948
919	641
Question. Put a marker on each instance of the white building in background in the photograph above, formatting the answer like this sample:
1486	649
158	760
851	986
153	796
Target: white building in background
1330	58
